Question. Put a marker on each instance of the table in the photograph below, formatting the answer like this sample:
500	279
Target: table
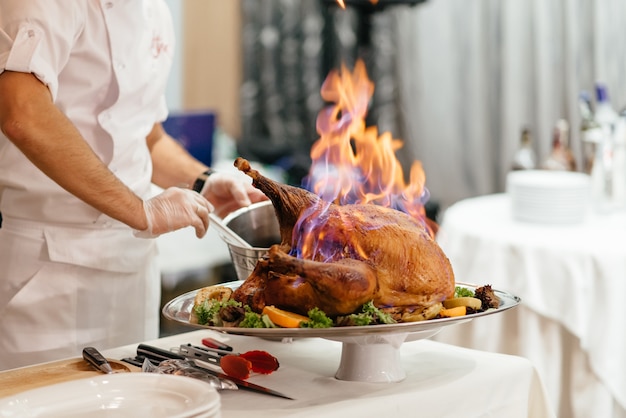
442	381
571	279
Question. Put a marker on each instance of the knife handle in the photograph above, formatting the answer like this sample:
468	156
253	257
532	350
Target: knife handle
156	353
135	361
95	358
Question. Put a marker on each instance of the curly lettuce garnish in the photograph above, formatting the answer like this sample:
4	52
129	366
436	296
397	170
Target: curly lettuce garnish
317	319
219	313
255	320
208	312
369	315
461	292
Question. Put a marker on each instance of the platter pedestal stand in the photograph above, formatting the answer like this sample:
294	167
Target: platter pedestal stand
379	363
374	358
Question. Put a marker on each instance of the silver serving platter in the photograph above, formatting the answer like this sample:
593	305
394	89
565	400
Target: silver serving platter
179	308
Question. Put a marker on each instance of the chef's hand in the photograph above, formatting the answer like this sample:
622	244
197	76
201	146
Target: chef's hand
229	192
174	209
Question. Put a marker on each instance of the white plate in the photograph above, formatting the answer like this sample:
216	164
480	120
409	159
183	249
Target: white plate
545	179
117	395
548	196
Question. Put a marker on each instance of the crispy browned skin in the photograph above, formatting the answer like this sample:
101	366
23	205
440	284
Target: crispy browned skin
383	255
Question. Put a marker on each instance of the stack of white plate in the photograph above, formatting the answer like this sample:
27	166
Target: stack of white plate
118	395
543	196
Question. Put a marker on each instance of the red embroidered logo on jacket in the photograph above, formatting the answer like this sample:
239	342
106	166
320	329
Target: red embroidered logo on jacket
158	46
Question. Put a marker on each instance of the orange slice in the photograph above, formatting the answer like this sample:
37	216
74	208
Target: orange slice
452	312
283	318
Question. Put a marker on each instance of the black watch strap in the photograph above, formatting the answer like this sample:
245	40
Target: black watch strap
202	178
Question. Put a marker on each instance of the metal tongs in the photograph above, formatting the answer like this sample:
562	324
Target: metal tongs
230	235
157	360
209	355
205	359
187	368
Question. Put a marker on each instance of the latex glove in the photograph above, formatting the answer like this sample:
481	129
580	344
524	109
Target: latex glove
229	192
173	209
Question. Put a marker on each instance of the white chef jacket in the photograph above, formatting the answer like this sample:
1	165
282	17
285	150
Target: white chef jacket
105	63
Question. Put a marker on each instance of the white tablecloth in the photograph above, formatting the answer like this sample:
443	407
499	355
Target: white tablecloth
442	381
572	281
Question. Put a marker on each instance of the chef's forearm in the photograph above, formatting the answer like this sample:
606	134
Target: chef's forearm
172	164
52	143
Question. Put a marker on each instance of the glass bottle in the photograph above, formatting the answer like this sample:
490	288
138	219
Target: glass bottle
608	174
590	131
561	156
524	157
604	114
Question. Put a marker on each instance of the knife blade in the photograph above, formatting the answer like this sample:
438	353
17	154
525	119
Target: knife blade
96	359
242	384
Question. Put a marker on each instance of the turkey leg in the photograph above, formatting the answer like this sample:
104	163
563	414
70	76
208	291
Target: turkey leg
338	288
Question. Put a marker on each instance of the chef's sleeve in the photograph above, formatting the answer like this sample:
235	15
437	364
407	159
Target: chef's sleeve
36	36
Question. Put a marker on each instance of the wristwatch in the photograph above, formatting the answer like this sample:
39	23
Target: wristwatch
198	185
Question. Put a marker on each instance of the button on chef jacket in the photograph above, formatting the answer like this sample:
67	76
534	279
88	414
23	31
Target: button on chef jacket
106	64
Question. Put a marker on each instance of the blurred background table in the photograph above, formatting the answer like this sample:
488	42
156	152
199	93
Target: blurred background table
572	282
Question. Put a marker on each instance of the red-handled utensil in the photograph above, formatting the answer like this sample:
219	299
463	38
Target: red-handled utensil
218	345
207	360
242	384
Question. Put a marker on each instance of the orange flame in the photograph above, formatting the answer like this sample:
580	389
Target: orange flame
352	163
343	5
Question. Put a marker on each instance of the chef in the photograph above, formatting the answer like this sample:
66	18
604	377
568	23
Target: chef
81	100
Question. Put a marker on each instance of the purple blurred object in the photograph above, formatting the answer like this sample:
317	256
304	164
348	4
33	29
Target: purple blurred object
194	130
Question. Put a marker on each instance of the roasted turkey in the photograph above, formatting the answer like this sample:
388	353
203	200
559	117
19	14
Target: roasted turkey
361	253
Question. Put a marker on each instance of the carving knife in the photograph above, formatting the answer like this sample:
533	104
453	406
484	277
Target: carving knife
243	384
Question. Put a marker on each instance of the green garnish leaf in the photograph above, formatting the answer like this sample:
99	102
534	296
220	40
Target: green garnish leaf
317	319
461	292
208	312
254	320
378	315
369	315
360	319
